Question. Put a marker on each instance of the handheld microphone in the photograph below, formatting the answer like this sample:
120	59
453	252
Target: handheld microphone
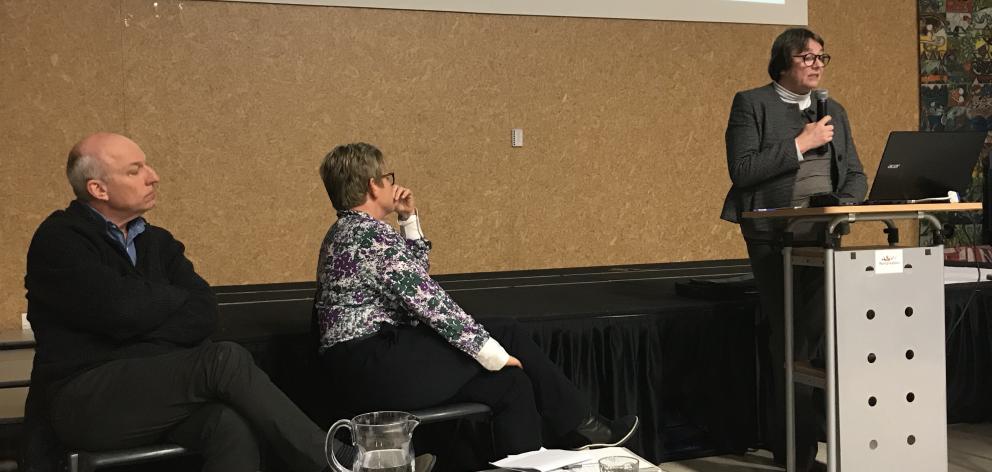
821	111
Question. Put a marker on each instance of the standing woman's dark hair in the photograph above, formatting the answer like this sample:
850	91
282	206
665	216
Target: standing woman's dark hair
789	43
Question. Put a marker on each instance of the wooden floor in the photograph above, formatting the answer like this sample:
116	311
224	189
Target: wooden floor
970	447
969	450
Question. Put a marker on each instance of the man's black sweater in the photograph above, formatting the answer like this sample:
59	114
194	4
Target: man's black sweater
88	304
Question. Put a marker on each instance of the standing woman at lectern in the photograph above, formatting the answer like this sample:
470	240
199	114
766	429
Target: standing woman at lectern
779	154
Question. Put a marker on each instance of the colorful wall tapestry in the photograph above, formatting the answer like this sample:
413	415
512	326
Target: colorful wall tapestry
956	84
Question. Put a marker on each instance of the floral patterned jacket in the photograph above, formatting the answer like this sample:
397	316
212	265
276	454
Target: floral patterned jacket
368	274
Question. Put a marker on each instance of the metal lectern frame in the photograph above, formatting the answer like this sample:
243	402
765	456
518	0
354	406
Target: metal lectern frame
833	218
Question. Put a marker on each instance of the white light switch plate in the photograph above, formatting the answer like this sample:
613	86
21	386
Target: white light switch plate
517	137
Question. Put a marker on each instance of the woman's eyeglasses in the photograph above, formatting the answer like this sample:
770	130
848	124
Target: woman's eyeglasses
810	58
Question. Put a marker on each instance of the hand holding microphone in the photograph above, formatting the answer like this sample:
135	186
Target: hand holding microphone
815	135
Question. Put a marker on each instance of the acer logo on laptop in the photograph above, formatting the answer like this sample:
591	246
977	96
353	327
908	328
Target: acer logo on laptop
893	166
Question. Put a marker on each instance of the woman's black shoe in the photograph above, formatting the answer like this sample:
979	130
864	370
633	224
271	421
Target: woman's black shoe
596	431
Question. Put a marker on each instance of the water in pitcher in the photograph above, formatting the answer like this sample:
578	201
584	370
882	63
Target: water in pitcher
385	460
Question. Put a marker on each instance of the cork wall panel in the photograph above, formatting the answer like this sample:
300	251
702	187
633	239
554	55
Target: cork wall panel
60	78
624	161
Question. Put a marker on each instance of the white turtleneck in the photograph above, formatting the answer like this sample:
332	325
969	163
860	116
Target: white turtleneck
803	100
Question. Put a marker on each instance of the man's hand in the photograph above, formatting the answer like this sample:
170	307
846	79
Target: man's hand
815	135
403	199
513	362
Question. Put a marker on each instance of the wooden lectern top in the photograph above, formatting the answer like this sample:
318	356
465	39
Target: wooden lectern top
862	209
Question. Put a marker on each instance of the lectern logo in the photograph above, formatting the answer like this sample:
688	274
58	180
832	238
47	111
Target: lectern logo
888	261
893	166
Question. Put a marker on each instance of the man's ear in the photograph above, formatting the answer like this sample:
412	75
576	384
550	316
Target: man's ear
97	189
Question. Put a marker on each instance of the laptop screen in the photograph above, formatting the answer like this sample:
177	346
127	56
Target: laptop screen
926	164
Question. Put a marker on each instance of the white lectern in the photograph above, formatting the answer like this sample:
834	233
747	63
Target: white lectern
885	375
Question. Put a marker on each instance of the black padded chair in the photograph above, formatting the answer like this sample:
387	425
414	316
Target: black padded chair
453	411
461	445
82	461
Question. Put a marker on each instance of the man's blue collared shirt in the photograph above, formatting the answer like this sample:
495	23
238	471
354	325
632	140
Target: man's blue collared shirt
134	228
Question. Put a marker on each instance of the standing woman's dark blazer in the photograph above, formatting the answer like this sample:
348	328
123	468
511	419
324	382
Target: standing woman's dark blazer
761	155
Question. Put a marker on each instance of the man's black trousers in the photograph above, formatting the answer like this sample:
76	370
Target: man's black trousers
211	399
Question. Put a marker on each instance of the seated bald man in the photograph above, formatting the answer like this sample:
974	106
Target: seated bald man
122	320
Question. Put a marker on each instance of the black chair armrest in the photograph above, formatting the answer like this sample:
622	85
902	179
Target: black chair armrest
450	412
